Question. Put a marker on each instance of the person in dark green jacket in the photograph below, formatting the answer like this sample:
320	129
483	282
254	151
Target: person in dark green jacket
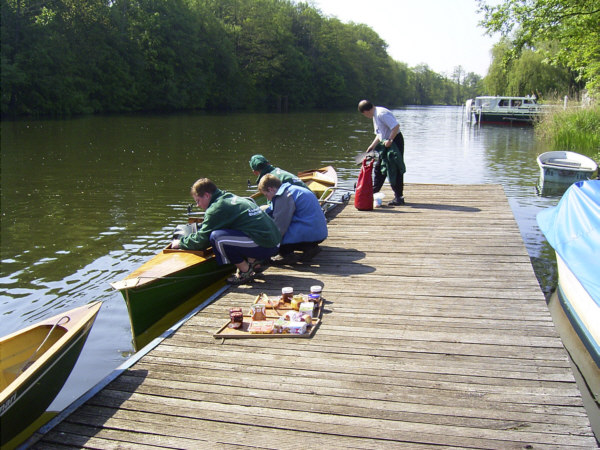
261	166
238	230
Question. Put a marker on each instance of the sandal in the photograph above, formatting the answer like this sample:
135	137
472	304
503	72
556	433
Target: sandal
260	265
241	277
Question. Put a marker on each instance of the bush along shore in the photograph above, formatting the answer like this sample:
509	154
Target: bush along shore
574	129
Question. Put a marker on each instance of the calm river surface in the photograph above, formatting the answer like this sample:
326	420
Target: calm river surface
87	200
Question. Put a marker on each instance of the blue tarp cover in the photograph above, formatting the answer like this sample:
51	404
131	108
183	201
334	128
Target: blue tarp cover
573	229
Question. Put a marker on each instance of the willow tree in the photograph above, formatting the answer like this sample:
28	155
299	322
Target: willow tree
573	24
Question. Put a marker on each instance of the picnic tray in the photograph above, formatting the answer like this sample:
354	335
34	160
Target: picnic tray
271	314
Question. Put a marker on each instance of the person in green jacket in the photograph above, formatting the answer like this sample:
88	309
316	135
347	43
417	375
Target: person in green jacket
238	230
261	166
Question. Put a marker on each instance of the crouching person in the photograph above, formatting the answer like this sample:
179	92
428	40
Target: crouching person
238	230
299	217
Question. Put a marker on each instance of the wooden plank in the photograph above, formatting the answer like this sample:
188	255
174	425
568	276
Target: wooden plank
434	332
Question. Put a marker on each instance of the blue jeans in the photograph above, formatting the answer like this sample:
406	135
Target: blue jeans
233	247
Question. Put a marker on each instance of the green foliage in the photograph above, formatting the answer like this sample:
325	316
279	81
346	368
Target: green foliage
574	25
572	129
62	57
529	73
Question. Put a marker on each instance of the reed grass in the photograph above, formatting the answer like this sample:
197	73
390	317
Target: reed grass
575	129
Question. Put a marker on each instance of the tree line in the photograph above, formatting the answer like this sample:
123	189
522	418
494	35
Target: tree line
62	57
546	46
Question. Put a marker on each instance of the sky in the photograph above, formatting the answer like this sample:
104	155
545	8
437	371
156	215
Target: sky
440	33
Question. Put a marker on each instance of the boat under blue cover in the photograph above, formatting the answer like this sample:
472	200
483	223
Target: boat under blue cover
573	229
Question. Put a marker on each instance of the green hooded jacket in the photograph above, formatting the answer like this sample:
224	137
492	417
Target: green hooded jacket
392	162
284	176
227	211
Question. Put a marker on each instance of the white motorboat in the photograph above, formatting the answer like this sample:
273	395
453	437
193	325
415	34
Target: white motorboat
504	110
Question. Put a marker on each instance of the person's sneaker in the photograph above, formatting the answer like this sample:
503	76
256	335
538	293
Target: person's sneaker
310	253
397	202
287	260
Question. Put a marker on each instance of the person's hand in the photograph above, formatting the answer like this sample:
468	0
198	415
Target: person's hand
388	143
175	243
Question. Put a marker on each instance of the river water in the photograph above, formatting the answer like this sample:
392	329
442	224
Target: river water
87	200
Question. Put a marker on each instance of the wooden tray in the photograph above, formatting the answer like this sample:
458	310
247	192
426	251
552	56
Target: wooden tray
271	314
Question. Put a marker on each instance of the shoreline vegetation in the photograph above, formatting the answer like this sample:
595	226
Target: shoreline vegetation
575	128
65	58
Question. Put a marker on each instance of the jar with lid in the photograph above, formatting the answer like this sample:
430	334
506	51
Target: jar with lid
315	293
287	293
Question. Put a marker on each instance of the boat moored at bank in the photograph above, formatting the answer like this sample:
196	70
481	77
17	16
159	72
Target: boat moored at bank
504	110
572	228
565	167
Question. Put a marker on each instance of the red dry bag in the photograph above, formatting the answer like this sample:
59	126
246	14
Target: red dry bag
363	195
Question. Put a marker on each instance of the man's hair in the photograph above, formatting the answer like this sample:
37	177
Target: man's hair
202	186
365	105
269	181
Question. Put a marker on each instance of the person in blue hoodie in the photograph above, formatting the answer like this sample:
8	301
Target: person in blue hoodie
299	217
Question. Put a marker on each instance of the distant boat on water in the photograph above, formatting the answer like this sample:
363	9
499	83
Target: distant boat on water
503	110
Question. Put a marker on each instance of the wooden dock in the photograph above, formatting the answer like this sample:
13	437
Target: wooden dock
435	334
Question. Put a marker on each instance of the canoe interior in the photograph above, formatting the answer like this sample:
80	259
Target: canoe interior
17	351
32	380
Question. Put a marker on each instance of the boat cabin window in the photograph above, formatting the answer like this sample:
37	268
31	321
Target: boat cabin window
504	102
516	103
529	102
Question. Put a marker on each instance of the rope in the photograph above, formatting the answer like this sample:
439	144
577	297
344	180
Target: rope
30	360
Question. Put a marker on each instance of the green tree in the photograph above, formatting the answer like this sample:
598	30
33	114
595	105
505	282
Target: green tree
573	24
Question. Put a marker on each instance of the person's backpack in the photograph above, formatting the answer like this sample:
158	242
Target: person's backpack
363	194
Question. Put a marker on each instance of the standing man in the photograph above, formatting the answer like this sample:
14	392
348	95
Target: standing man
387	132
239	231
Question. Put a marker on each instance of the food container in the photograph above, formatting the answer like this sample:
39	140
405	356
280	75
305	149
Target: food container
295	327
237	318
261	327
258	311
296	300
306	308
315	293
287	293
